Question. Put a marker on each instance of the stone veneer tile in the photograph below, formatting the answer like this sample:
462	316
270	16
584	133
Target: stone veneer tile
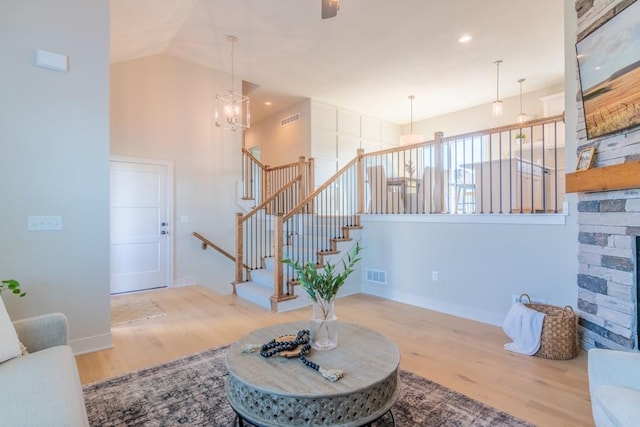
625	242
623	277
605	229
617	263
610	195
610	218
624	342
620	291
586	295
599	239
632	231
607	250
589	206
587	307
633	205
589	258
613	317
615	205
607	301
594	284
605	274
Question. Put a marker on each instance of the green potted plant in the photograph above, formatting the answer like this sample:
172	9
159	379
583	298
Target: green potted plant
13	286
322	286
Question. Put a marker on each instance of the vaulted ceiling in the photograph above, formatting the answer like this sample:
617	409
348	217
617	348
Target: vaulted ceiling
369	58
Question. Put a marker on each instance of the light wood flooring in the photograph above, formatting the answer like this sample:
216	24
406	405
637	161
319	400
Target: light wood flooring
464	355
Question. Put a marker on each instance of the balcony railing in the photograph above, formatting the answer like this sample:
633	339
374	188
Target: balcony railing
508	170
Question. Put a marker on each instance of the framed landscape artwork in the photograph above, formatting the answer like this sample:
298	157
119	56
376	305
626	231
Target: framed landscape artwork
609	70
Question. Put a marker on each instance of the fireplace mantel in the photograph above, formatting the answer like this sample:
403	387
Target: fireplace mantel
607	178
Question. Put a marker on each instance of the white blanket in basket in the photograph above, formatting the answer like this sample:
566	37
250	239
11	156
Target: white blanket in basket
524	326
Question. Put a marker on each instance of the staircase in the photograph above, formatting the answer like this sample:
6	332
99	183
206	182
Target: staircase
312	228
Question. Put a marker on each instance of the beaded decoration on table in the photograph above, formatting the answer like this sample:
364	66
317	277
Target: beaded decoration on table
297	345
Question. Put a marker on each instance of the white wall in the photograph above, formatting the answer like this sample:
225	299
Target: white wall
163	108
278	144
479	266
54	152
480	117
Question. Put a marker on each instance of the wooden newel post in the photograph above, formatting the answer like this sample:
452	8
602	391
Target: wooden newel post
311	182
302	185
360	180
278	274
239	251
438	181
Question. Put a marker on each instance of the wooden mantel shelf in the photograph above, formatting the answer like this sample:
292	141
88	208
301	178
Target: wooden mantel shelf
606	178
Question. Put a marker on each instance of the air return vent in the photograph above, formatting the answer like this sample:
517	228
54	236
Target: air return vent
290	119
376	276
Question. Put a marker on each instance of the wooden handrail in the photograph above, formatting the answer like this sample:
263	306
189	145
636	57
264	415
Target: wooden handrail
208	243
506	128
275	168
252	157
272	198
319	190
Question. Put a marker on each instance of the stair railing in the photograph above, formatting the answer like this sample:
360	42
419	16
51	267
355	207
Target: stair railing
254	236
312	229
261	181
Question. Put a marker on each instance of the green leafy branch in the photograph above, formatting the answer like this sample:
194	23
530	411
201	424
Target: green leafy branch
13	286
324	285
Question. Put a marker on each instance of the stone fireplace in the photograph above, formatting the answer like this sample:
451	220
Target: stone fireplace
609	226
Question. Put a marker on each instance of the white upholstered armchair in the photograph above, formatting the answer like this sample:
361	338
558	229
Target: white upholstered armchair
614	385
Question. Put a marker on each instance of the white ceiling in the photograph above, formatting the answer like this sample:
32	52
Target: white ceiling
369	58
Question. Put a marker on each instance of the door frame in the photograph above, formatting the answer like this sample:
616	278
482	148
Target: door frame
170	241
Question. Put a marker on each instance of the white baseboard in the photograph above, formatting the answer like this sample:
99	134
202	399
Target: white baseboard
91	344
479	315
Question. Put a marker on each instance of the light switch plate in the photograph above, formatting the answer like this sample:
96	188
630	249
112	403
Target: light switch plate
44	223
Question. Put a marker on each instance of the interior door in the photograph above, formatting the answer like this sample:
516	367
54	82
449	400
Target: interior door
141	243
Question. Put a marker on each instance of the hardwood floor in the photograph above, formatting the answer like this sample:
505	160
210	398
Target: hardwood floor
464	355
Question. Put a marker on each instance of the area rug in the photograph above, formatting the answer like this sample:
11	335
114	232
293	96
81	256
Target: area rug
190	392
131	311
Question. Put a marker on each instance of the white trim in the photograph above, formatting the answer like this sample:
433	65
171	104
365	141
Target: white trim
91	344
170	183
529	219
466	312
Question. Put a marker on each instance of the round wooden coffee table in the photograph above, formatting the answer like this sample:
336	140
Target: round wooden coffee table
276	391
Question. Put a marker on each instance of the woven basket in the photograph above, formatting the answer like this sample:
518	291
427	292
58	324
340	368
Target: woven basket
558	339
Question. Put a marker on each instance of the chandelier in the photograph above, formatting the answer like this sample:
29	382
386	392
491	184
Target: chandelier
232	109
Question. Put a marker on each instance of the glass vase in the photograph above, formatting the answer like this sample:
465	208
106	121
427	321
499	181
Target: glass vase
324	325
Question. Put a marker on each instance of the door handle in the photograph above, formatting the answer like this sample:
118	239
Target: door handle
164	224
163	232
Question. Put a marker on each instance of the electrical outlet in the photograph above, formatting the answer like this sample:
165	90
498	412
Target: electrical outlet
516	298
434	276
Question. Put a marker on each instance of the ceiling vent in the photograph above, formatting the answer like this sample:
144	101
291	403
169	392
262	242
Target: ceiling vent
290	119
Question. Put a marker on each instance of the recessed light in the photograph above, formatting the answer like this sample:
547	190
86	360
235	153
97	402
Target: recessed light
268	103
465	38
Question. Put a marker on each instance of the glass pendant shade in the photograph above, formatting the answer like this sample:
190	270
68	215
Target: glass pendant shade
411	138
233	111
522	117
497	108
497	105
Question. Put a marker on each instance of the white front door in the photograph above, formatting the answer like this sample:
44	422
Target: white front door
141	243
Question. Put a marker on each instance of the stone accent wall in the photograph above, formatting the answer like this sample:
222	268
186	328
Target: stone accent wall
609	222
608	225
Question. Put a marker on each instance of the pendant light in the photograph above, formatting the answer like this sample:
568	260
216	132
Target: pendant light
497	104
522	117
411	138
232	109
